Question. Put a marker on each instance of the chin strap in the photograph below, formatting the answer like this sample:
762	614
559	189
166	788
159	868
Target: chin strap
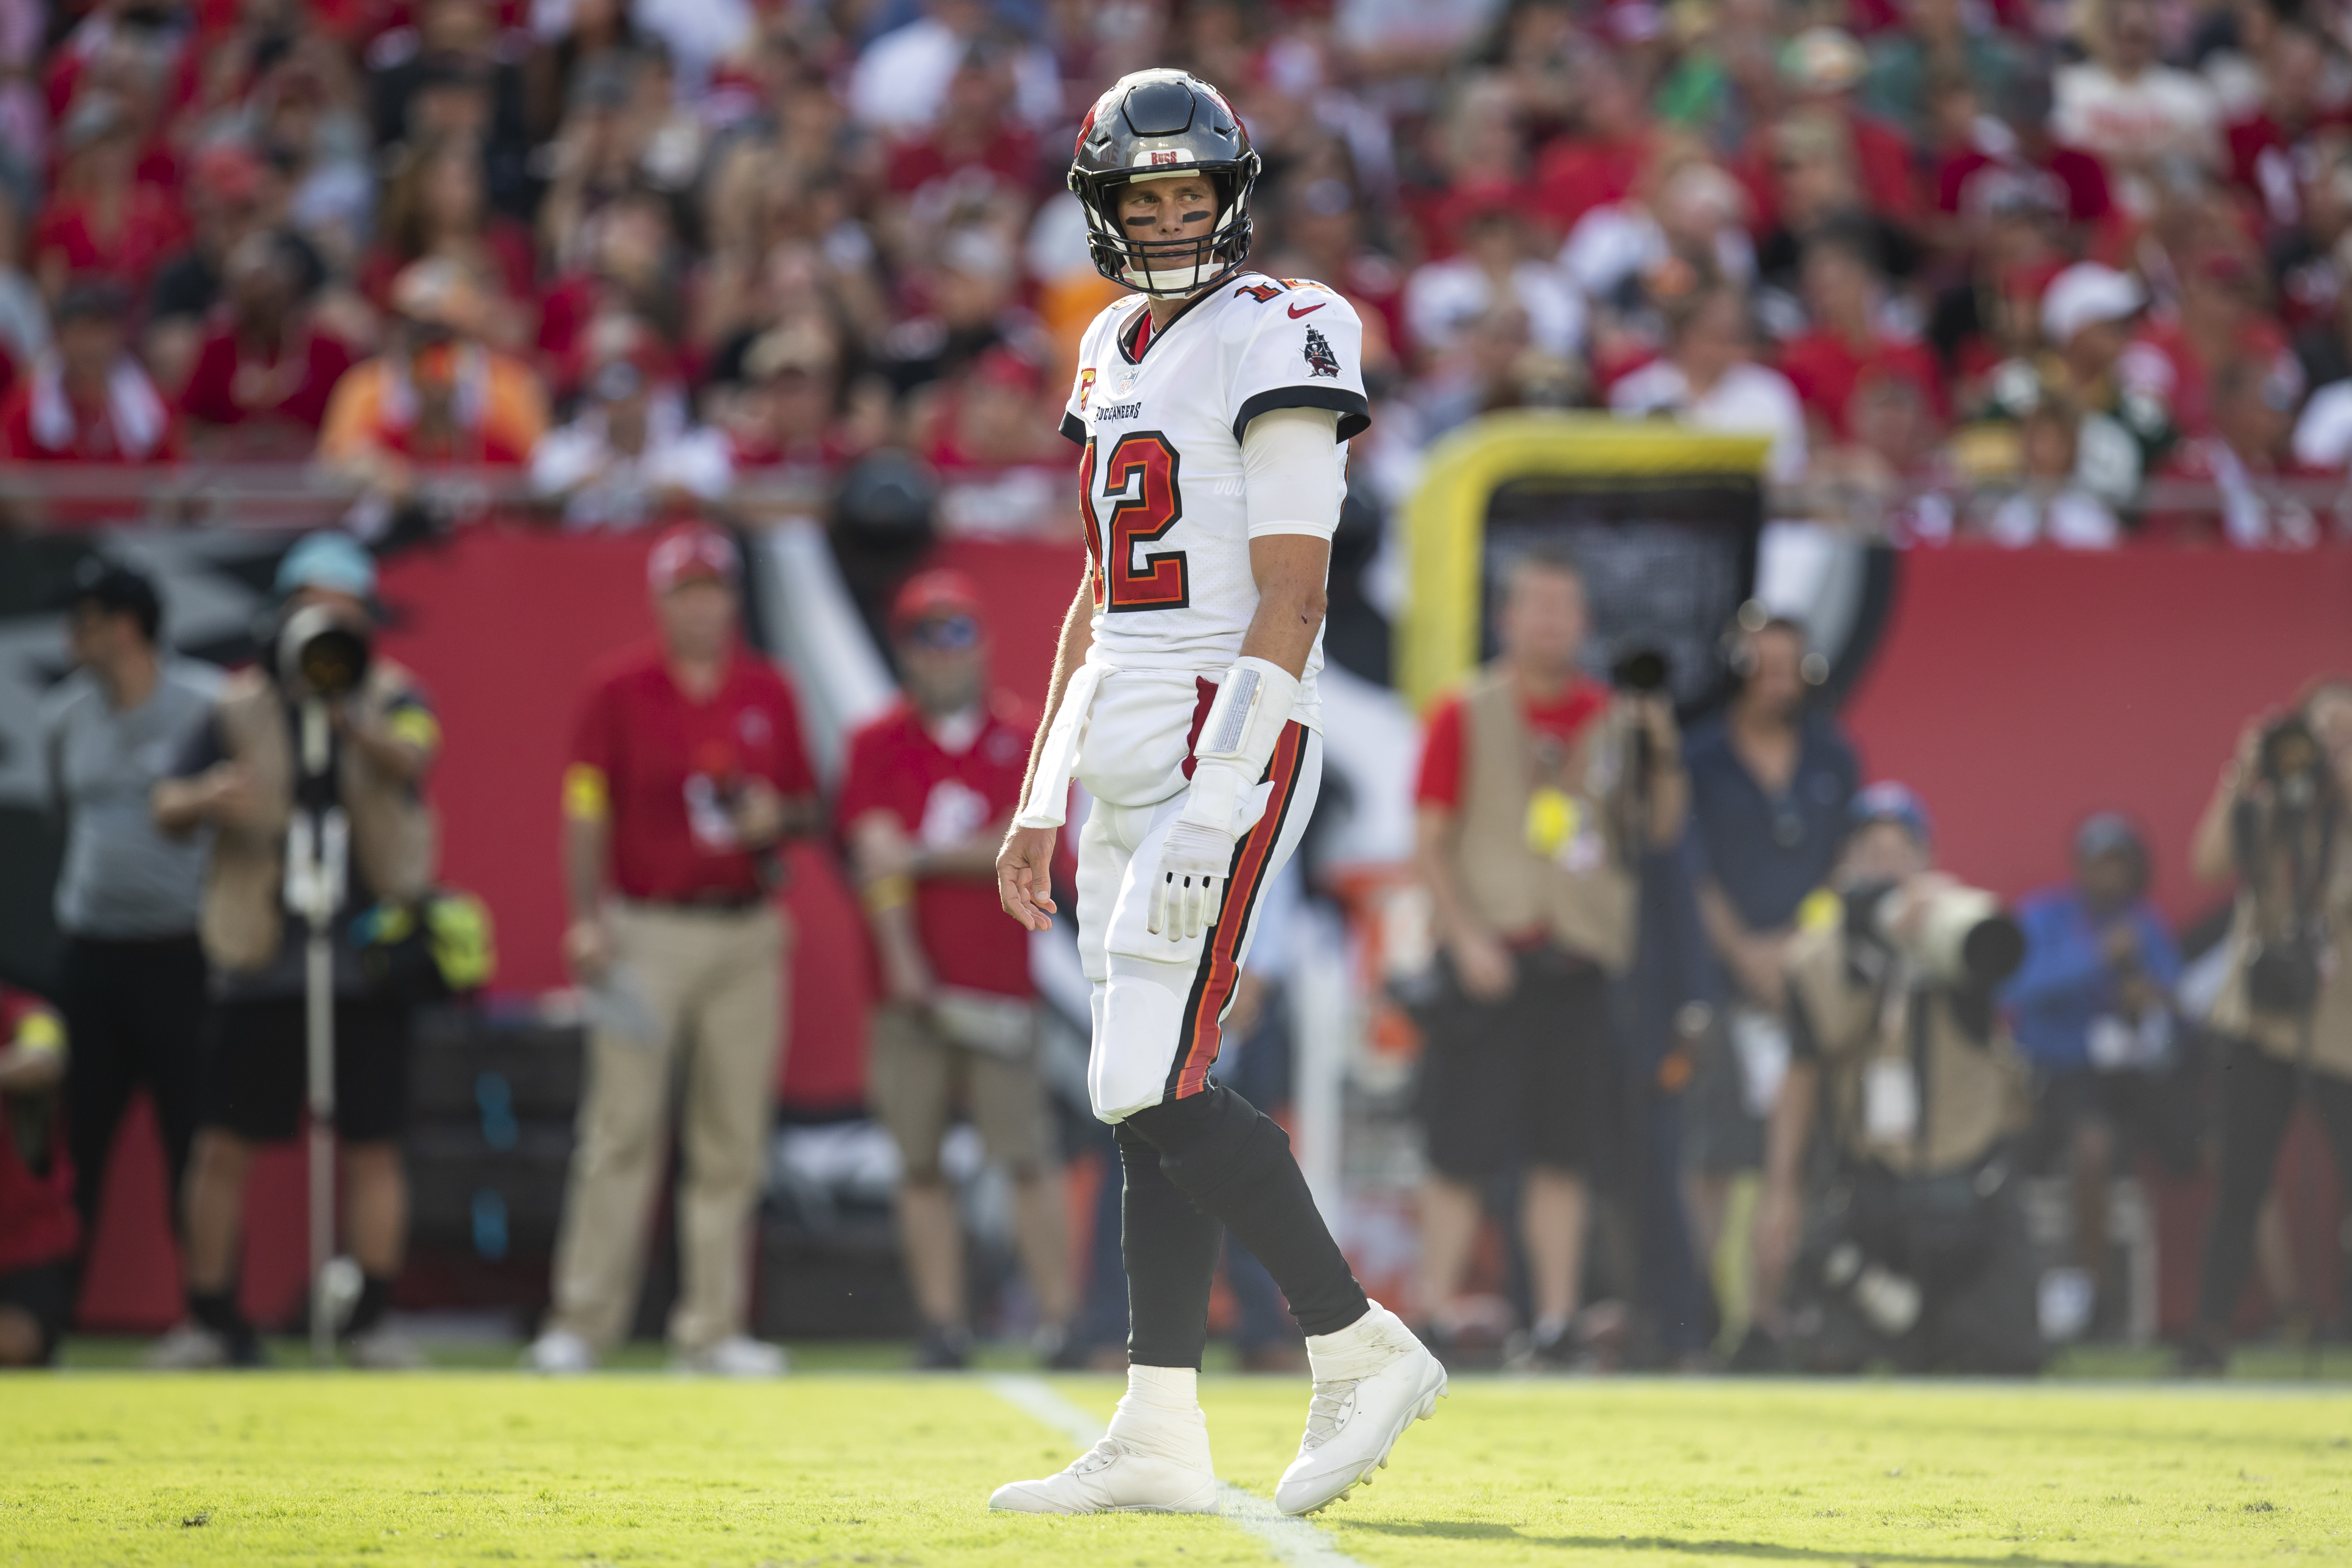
1237	740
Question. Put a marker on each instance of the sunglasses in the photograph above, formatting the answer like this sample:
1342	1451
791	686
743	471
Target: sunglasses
943	634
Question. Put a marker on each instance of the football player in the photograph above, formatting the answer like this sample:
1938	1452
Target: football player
1213	411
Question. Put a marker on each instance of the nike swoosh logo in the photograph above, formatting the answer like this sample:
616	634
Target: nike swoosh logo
1295	312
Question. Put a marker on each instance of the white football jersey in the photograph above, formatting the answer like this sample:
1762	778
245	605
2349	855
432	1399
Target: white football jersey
1167	528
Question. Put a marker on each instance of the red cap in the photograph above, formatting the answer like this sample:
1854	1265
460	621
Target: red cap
689	550
931	594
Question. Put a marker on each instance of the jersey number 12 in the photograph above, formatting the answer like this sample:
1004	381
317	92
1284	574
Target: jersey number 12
1139	482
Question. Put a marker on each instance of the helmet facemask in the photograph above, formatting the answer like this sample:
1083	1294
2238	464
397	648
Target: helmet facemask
1170	269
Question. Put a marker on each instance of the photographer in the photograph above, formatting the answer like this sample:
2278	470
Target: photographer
2093	1011
2277	823
1530	819
241	777
1913	1249
1770	782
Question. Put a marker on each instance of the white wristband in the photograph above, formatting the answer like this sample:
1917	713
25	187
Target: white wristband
1237	739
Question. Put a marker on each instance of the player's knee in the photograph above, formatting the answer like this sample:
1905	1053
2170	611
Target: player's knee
1214	1140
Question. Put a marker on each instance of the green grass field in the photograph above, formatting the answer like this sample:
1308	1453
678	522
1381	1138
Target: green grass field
101	1466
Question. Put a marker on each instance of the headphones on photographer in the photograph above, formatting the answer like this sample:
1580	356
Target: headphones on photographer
1752	621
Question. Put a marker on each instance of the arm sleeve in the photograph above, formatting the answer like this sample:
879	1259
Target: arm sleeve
1303	348
1291	482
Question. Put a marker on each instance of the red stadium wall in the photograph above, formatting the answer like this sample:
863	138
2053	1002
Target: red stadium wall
2018	691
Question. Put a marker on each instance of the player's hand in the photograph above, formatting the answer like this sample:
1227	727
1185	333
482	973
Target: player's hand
908	981
1186	891
1483	967
588	950
1024	876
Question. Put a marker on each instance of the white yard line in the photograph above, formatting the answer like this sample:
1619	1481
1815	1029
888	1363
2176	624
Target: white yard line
1292	1541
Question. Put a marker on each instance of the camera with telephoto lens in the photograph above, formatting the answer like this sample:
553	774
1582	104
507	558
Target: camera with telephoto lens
1642	671
321	653
1965	939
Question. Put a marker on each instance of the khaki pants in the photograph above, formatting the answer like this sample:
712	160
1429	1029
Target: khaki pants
913	1074
711	988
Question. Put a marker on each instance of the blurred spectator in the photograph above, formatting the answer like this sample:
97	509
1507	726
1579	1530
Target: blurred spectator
260	385
435	204
925	799
1529	818
232	193
1495	267
237	777
1847	344
448	77
987	444
1770	781
974	308
2276	824
631	455
2049	504
102	219
1936	38
1821	69
902	78
2092	1008
787	414
436	396
2133	111
687	776
87	399
39	1232
1913	1249
131	980
568	36
1709	380
2238	485
2117	389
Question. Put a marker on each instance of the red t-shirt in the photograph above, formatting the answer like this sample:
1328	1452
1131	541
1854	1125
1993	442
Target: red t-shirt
95	438
38	1222
1443	757
1826	370
150	229
292	385
942	798
670	764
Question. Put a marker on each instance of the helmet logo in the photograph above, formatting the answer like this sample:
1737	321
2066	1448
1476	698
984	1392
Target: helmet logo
1170	155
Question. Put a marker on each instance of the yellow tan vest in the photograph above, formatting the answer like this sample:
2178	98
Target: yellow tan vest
1582	898
1973	1095
2279	1036
393	829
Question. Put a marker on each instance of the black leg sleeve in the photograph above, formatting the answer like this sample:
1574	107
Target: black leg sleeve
1170	1251
2257	1095
100	1075
1234	1163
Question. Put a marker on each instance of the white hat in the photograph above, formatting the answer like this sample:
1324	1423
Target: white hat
2084	295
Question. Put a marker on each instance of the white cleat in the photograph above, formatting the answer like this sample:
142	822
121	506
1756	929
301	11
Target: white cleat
1372	1380
1151	1462
559	1352
737	1355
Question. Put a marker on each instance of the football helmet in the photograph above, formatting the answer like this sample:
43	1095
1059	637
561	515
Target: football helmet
1157	123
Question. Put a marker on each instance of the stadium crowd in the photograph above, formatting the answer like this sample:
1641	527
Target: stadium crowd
2024	273
2027	274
